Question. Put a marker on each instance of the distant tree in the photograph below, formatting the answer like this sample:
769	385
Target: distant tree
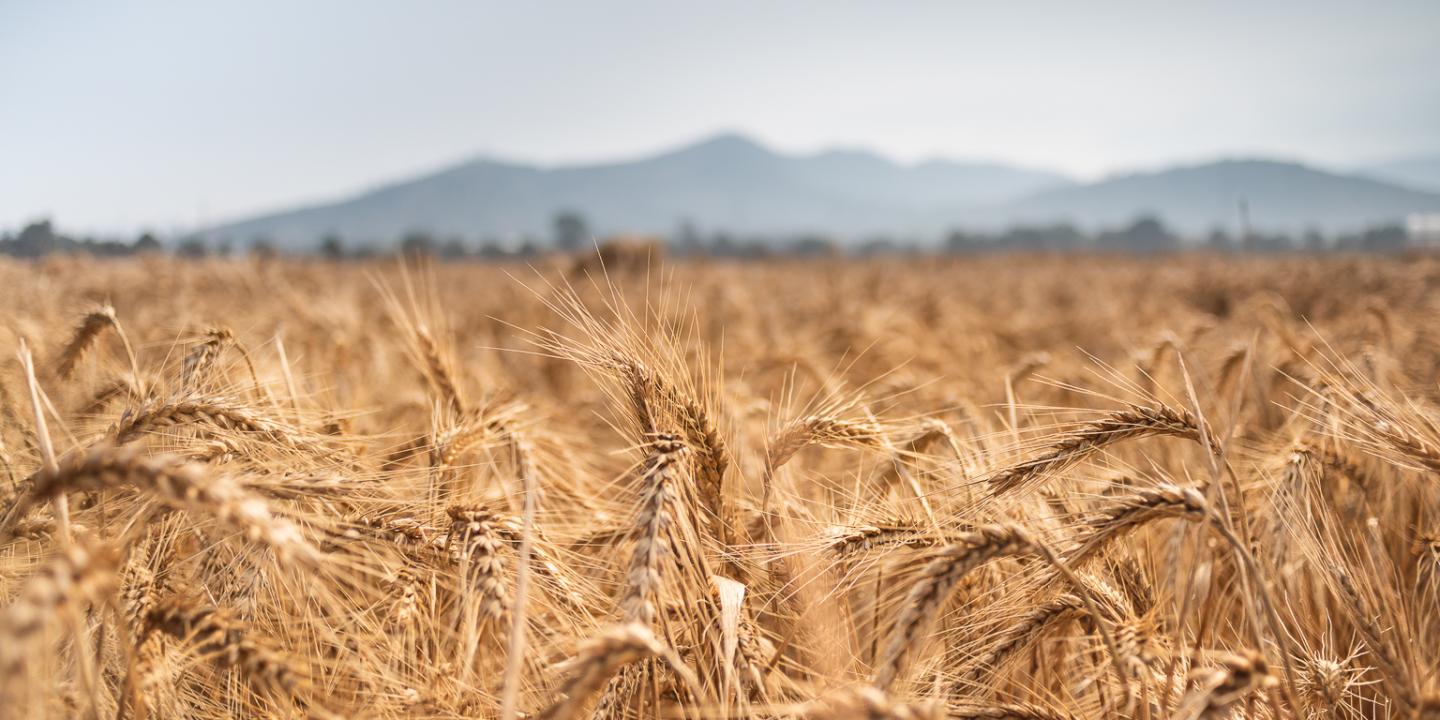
1261	242
36	239
454	248
687	239
1061	236
1387	238
417	243
722	244
812	246
192	248
529	247
571	231
1313	241
262	248
332	247
490	249
146	243
1145	234
960	241
877	246
755	249
1219	241
105	248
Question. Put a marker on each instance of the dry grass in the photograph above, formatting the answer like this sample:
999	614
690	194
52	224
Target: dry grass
992	488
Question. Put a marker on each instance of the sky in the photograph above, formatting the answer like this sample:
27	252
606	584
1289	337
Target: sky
168	115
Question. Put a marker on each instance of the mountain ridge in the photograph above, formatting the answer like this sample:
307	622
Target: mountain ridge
732	183
1277	196
1417	172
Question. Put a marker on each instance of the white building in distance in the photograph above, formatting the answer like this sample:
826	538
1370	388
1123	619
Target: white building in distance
1424	229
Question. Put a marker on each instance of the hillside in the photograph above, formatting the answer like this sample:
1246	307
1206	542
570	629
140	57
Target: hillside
728	182
733	184
1280	196
1418	173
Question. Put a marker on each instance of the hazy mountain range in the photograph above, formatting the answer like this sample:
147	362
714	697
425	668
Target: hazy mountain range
733	184
1418	173
1277	195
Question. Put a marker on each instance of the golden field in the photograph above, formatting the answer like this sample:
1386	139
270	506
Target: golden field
999	487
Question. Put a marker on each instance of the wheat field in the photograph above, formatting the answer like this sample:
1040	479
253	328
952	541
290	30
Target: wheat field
999	487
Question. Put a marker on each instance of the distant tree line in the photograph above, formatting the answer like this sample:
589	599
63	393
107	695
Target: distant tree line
1150	235
570	233
40	238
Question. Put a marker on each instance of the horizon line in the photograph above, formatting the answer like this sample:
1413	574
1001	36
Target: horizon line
752	138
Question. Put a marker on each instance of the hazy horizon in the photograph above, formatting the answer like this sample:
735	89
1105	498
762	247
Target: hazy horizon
359	188
168	115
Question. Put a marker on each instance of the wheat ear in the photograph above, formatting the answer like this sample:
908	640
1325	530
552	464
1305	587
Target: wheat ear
475	543
173	482
80	573
1022	633
1130	513
438	371
941	575
601	657
216	411
652	530
1002	711
1077	445
85	335
701	432
1219	689
225	640
200	360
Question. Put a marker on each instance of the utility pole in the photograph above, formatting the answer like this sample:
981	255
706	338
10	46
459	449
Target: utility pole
1245	240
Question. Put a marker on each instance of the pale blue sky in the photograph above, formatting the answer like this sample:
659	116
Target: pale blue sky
115	116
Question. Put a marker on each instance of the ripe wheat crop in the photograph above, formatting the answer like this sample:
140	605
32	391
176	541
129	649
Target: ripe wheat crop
1080	487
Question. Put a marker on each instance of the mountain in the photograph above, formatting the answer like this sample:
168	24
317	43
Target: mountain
934	184
1280	196
733	184
1417	173
728	182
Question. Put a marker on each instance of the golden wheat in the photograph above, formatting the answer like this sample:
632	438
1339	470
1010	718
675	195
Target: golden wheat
825	488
